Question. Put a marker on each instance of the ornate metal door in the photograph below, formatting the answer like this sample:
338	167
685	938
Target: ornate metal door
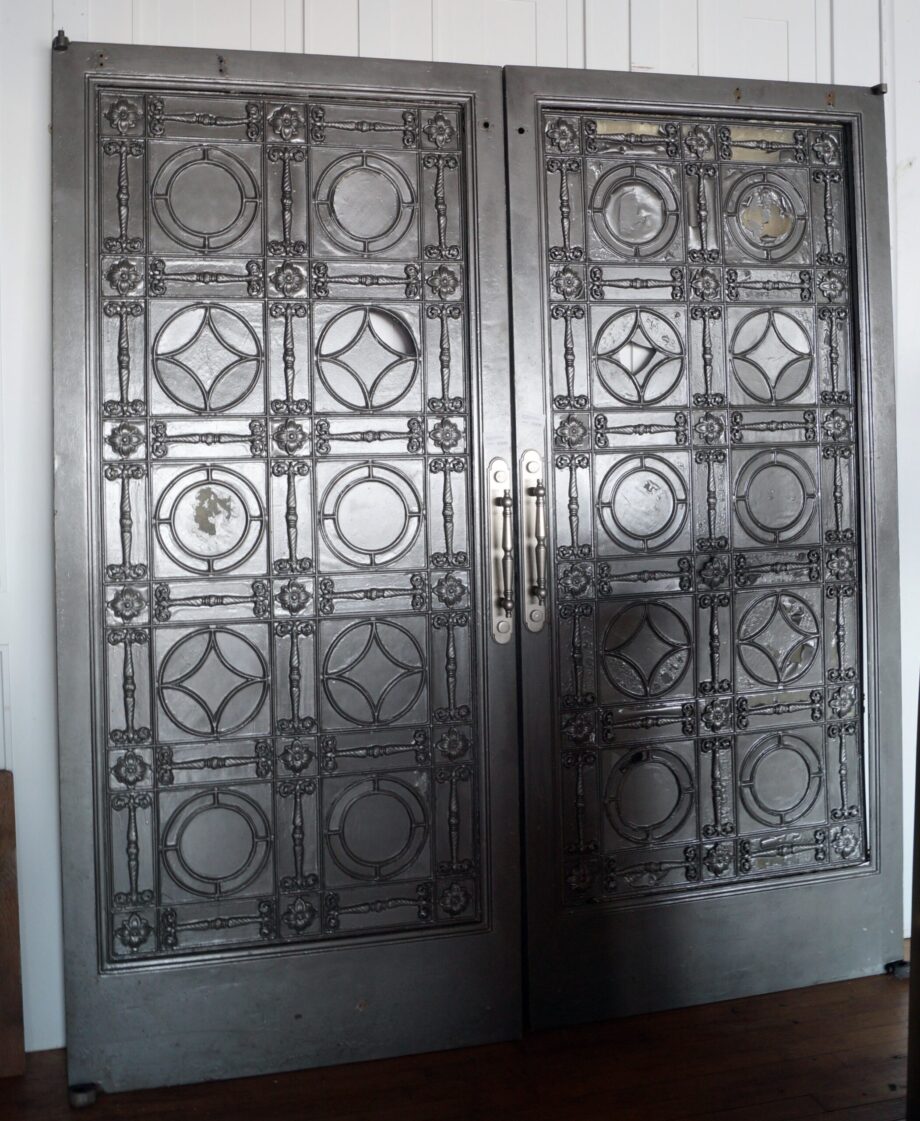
289	769
705	410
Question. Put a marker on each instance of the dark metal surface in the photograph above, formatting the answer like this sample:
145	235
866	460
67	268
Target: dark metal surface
280	752
712	384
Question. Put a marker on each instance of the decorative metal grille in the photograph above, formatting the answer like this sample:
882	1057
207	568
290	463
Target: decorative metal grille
707	611
287	630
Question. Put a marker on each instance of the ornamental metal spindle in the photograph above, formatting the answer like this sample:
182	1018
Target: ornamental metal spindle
295	630
290	406
286	154
442	251
132	802
292	469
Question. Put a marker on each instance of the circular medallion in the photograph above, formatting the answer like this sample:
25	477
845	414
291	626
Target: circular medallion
206	358
367	358
780	779
771	356
775	497
646	649
365	202
377	827
634	210
638	356
209	520
370	514
765	215
778	638
642	503
213	681
373	672
216	843
648	795
204	198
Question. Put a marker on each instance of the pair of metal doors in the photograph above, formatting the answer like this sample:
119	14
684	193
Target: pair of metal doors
335	574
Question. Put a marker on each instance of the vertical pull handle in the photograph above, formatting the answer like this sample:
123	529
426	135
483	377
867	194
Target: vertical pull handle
539	493
506	600
501	550
534	536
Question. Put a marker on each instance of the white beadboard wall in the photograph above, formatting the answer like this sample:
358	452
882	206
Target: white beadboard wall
844	41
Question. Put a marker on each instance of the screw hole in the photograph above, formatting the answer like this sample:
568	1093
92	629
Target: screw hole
485	124
522	130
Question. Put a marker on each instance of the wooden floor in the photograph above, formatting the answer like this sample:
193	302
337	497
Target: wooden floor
834	1053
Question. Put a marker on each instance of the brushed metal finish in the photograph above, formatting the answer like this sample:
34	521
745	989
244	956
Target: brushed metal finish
534	538
702	346
288	774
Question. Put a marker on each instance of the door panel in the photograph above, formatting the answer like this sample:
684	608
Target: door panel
701	354
286	750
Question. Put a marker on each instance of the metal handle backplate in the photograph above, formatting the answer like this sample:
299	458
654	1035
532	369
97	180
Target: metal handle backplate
534	540
501	545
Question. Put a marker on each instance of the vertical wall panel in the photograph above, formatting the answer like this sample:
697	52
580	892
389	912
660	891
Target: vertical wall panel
663	36
395	28
502	32
856	47
331	28
744	39
276	25
575	33
607	34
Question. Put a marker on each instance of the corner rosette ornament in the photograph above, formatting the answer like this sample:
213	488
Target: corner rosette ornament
299	915
719	859
697	142
123	115
445	435
840	565
133	932
567	283
562	134
571	433
704	284
294	597
290	437
579	879
717	714
443	282
453	744
286	122
832	286
710	428
842	701
440	131
296	757
288	279
125	439
845	841
123	276
455	899
714	572
130	769
576	580
450	590
824	148
836	426
579	729
127	603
